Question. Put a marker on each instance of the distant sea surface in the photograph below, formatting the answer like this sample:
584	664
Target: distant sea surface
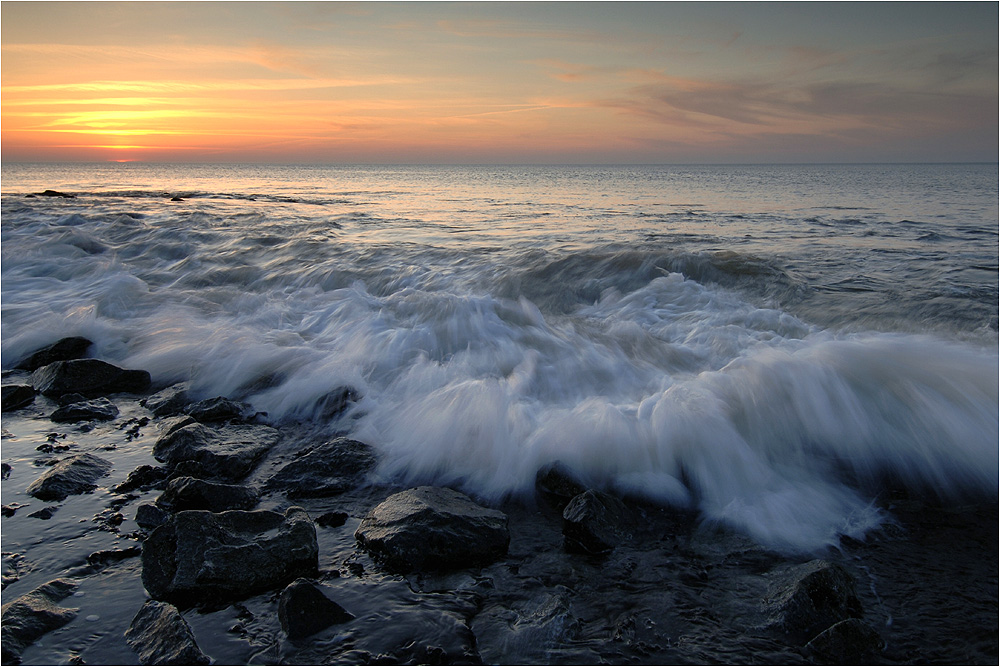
771	345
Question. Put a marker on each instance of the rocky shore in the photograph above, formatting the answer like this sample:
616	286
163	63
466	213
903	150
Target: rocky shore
141	526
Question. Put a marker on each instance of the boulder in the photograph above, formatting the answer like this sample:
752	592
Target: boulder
69	477
15	396
160	636
188	493
325	470
168	402
149	516
218	409
804	600
144	477
74	347
228	452
595	523
99	409
433	528
198	556
557	484
33	614
303	610
88	377
849	642
333	404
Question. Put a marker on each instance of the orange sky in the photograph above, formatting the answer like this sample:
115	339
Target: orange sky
499	82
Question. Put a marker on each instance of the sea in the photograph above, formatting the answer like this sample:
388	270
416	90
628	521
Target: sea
770	346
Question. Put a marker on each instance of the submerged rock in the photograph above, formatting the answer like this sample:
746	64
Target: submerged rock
228	452
433	528
55	193
849	642
88	377
69	477
325	470
807	599
188	493
199	556
100	409
304	610
160	636
595	523
66	349
15	396
33	614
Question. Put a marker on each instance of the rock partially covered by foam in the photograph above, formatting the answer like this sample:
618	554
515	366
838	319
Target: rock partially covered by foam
328	469
65	349
88	377
595	523
69	477
433	528
160	636
32	615
199	556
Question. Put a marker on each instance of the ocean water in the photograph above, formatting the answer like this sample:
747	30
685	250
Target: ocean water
770	345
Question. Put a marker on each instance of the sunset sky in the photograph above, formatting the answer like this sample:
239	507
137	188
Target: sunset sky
487	82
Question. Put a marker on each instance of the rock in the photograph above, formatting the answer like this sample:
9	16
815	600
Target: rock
595	522
99	409
89	377
433	528
74	347
188	493
218	409
176	199
5	470
850	642
332	519
160	636
143	477
168	402
55	193
69	477
198	556
557	484
44	514
15	396
9	510
804	600
229	452
148	516
333	404
304	610
101	559
325	470
33	614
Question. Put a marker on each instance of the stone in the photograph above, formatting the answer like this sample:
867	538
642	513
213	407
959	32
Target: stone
71	476
218	409
188	493
168	402
595	523
44	514
325	470
160	636
73	347
804	600
203	557
30	616
55	193
88	377
149	516
304	610
99	409
228	452
144	477
332	519
557	484
435	529
16	396
101	559
335	403
849	642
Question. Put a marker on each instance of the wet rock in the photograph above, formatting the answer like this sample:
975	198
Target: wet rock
69	477
55	193
335	403
160	636
15	396
188	493
99	409
5	470
218	409
168	402
176	199
144	477
149	516
433	528
303	610
101	559
332	519
804	600
228	452
32	615
325	470
88	377
9	510
199	556
74	347
14	566
850	642
595	523
557	484
44	514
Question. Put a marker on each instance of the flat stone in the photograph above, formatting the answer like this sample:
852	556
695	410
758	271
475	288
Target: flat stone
325	470
69	477
303	610
65	349
99	409
16	396
160	636
32	615
88	377
228	452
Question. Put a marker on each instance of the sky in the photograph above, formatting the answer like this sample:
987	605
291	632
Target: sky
493	82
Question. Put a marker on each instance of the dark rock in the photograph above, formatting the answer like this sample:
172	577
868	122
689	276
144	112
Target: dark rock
33	614
74	347
69	399
55	193
168	402
218	409
850	642
332	519
176	199
143	477
595	522
89	377
161	636
198	556
325	470
100	409
335	403
433	528
557	484
70	476
105	558
188	493
804	600
15	396
148	516
44	514
5	470
304	610
229	452
9	510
